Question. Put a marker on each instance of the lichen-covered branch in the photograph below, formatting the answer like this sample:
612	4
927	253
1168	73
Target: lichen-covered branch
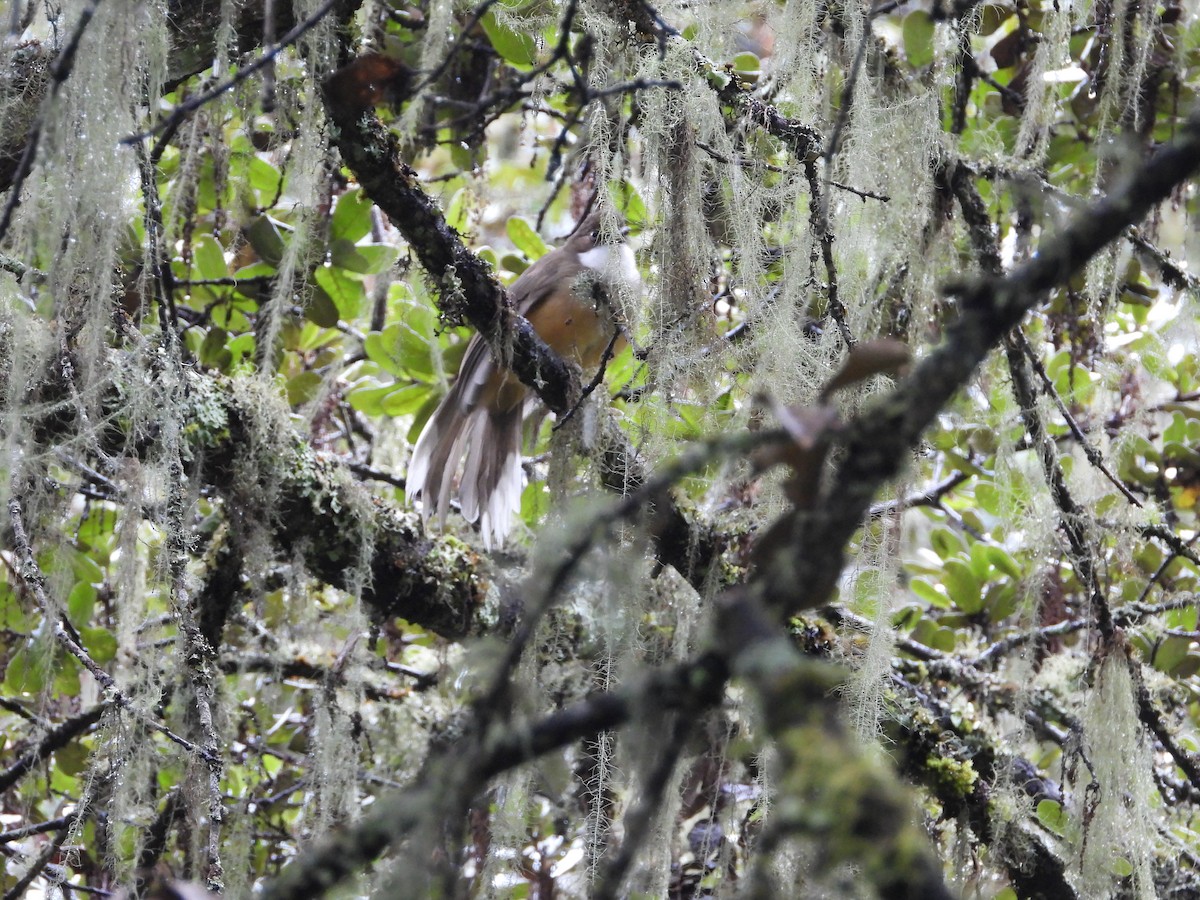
827	789
334	523
877	442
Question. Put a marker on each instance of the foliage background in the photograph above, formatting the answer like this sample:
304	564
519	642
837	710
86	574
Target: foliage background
764	584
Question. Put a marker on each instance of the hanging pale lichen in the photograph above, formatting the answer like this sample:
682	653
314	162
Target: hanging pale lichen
1117	835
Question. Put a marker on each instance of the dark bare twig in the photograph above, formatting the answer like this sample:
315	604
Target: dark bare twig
168	126
1012	642
818	218
54	739
1178	545
865	195
840	616
1150	716
931	496
594	383
1129	614
1093	455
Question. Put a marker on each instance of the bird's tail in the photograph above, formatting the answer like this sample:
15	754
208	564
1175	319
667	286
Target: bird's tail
490	485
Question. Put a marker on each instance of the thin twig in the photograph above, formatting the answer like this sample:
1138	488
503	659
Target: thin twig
594	383
1093	455
1148	713
819	222
931	496
168	126
1130	614
60	70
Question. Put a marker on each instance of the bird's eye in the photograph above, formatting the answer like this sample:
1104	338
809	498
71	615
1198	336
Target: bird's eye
595	235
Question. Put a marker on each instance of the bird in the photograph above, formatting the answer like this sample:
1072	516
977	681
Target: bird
479	421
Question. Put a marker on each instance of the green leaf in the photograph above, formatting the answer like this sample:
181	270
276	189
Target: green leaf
399	351
347	294
12	613
213	351
80	602
513	263
321	309
351	219
992	16
208	260
629	203
25	673
535	503
369	400
404	400
918	38
980	564
1050	813
1170	653
516	48
264	178
1184	618
265	237
945	542
962	586
71	759
748	64
1121	867
929	593
101	643
66	677
240	348
1001	600
943	639
303	388
525	238
1002	561
365	259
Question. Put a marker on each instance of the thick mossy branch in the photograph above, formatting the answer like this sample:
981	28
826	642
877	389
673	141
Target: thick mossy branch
336	526
827	789
959	769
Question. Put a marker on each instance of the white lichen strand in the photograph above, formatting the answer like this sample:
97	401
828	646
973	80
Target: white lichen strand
435	45
1040	94
1121	834
873	586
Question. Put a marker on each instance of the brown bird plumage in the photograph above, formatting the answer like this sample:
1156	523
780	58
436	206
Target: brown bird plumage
479	420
